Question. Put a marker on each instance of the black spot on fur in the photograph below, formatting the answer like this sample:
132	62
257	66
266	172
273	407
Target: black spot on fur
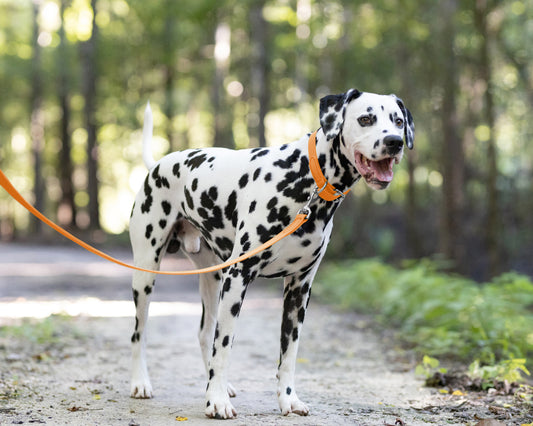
176	170
189	199
268	177
148	232
259	152
135	297
235	309
227	285
225	341
194	185
266	233
252	207
243	181
160	181
145	207
230	211
301	315
288	162
166	207
195	161
162	223
211	374
294	259
273	201
147	290
288	391
256	173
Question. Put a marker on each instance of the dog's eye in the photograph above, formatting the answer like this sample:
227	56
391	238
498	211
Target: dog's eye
399	122
365	120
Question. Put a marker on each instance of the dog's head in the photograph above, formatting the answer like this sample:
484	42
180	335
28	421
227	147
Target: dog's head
372	130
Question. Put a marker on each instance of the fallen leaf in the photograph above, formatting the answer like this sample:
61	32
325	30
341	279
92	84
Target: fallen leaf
181	419
458	393
443	391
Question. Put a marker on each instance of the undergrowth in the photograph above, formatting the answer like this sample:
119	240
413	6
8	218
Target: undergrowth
437	313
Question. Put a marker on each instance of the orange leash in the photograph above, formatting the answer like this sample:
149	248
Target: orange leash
298	221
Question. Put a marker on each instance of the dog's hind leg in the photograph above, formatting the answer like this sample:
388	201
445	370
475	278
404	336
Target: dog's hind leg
140	381
149	243
295	300
210	294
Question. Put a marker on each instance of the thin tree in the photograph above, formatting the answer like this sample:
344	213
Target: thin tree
37	119
66	205
259	66
452	147
481	11
89	77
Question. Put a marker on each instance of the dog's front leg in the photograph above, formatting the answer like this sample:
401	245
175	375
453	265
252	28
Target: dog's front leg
297	291
234	284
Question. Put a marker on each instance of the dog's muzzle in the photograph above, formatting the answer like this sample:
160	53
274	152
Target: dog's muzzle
393	144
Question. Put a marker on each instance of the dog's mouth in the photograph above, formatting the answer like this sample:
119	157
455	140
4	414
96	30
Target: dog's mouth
375	172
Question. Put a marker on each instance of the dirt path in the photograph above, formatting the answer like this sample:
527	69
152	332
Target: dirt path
344	372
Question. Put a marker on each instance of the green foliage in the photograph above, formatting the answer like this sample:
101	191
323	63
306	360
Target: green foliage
509	370
428	367
439	314
48	331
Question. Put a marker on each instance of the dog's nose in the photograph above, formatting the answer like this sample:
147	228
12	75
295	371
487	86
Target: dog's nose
393	143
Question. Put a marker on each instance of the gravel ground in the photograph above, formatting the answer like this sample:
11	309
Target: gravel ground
346	372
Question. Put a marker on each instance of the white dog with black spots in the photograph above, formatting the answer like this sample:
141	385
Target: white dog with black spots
216	204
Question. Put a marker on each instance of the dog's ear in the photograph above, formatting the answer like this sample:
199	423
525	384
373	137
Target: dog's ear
332	110
409	127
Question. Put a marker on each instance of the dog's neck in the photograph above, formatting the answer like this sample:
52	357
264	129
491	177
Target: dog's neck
336	167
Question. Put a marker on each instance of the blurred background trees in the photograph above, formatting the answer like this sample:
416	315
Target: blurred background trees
75	76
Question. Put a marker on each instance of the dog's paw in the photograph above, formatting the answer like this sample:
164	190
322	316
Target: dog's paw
292	404
232	393
141	390
219	407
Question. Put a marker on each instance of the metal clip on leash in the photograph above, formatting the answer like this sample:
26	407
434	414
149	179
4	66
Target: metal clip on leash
306	210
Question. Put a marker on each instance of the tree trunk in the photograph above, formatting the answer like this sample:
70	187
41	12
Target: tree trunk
170	56
452	147
493	215
88	56
222	136
67	207
259	59
37	121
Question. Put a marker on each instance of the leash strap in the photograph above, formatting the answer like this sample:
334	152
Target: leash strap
298	221
326	190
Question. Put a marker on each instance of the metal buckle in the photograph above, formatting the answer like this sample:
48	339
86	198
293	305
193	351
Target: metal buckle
314	195
341	195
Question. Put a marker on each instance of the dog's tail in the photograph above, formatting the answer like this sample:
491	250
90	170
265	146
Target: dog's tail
148	128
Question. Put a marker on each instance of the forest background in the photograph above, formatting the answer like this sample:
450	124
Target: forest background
75	76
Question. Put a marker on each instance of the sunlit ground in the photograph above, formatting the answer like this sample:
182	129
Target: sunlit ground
38	281
91	307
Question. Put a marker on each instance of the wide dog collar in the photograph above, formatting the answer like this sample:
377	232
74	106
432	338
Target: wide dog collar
325	190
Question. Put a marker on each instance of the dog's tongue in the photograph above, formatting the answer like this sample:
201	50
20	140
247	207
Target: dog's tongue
382	169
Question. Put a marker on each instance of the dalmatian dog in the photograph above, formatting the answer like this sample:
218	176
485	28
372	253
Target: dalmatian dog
216	204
